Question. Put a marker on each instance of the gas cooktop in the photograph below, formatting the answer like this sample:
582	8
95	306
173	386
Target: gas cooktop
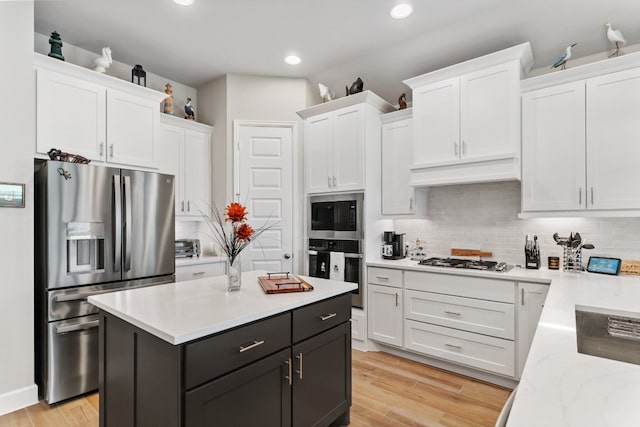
466	264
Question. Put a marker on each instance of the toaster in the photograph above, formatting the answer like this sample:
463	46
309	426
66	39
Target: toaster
187	247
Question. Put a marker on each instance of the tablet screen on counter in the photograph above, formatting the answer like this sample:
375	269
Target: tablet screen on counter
604	265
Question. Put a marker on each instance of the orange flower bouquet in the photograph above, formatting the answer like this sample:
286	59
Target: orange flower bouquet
233	240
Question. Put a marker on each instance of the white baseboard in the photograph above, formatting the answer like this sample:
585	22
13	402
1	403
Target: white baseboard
18	399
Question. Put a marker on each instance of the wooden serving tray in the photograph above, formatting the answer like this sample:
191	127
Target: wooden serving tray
469	252
280	283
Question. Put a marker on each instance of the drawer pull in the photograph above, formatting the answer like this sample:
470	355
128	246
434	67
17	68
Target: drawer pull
453	313
199	273
299	371
328	316
249	347
382	278
457	347
289	377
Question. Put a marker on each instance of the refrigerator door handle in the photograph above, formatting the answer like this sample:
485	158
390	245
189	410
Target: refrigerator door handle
127	224
117	224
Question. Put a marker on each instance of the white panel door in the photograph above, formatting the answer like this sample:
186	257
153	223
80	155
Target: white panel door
385	314
169	158
489	113
613	136
397	195
553	148
436	122
531	301
70	115
348	148
318	142
265	174
131	128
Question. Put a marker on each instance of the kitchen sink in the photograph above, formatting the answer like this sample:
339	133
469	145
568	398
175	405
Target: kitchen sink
607	333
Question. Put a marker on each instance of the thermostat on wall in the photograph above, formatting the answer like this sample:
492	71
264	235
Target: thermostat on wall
604	265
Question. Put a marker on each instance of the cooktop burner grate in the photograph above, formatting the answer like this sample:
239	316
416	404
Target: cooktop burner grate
461	263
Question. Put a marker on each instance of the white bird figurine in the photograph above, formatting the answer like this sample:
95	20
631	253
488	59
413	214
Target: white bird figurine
561	61
615	36
326	93
101	63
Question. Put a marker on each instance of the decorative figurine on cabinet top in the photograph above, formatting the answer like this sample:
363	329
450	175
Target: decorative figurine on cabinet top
56	46
356	87
326	93
402	102
138	72
616	37
168	101
101	63
561	61
189	110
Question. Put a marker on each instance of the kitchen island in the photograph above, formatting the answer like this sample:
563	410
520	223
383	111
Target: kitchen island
191	354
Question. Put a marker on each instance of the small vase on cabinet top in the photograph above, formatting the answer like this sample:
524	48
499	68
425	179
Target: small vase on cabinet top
234	275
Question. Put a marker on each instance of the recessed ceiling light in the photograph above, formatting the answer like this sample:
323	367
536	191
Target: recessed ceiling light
292	60
401	11
184	2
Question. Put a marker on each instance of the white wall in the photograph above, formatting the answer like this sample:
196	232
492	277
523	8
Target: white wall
84	58
484	216
17	139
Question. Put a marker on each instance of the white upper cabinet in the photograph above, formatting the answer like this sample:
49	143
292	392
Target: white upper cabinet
336	135
184	150
467	120
398	197
102	118
580	150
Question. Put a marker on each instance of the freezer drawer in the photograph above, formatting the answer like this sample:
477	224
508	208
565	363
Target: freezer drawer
72	362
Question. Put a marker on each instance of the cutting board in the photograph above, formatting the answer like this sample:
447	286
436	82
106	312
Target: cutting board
470	252
280	283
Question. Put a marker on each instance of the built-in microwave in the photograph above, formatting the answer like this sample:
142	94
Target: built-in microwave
336	216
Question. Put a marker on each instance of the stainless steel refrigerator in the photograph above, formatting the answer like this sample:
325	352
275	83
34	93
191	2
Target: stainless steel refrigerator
97	229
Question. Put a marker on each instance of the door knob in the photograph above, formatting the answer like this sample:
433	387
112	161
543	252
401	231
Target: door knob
287	256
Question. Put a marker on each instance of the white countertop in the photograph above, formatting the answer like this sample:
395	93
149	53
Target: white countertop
559	386
184	311
196	260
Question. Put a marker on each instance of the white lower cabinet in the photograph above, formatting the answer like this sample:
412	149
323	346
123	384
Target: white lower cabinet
531	297
475	350
198	271
384	302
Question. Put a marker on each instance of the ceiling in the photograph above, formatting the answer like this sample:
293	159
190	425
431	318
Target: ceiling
338	40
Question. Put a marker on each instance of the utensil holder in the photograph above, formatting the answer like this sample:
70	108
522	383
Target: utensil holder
572	259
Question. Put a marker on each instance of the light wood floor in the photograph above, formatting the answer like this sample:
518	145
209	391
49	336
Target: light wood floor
387	391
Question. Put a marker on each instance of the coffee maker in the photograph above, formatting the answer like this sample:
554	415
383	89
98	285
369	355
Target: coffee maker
393	246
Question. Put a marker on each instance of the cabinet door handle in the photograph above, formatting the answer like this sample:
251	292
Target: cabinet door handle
329	181
328	316
410	203
289	377
457	347
580	196
522	296
250	346
182	206
334	181
101	148
455	148
453	313
198	273
591	196
382	278
464	147
299	371
111	150
188	205
396	299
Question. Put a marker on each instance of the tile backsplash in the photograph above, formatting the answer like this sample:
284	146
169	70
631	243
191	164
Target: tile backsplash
485	216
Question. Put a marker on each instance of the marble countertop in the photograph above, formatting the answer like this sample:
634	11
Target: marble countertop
183	311
559	386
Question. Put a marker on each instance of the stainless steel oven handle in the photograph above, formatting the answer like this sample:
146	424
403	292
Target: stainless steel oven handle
350	255
79	327
117	226
312	252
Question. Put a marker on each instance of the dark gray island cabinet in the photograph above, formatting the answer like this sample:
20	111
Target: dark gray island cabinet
292	368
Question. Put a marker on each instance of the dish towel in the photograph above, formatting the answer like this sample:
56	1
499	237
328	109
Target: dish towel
337	266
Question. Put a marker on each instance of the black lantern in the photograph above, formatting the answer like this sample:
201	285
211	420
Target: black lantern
138	72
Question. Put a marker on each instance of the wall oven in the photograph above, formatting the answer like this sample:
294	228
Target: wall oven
347	265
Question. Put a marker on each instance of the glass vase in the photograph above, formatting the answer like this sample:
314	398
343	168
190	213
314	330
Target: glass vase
234	275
